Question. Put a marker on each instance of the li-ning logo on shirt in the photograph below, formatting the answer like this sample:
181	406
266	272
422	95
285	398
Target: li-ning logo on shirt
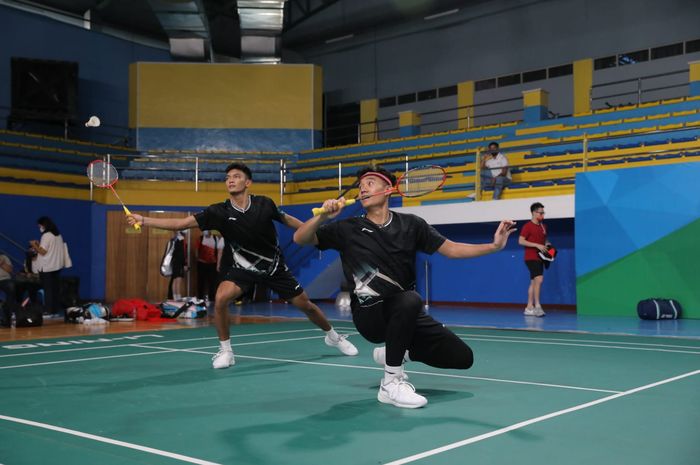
232	218
368	230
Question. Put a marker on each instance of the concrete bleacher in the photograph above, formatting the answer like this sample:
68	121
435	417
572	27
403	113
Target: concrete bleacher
544	156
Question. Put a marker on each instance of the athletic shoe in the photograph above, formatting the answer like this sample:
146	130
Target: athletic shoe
539	311
379	355
400	393
530	311
223	359
342	344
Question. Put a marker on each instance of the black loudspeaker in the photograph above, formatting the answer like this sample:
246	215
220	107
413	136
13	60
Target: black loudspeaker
44	90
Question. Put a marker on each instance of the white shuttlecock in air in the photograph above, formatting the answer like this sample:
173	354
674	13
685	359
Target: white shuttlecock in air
93	122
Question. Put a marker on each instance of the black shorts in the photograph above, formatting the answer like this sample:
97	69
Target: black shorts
282	281
536	268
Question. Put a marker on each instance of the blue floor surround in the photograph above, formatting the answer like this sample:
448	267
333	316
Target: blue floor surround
557	320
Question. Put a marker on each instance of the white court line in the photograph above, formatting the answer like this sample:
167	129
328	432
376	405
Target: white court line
594	346
675	346
523	424
234	337
143	345
115	442
199	350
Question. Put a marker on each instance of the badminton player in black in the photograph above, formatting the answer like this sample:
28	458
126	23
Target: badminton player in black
378	253
245	222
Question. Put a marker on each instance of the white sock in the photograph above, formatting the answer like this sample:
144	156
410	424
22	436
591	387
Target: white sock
332	335
226	345
405	357
391	373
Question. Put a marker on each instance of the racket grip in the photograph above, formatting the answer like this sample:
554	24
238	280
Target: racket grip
319	210
136	225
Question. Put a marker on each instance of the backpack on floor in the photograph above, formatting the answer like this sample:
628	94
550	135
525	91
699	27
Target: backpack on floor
28	315
89	311
190	308
135	308
659	309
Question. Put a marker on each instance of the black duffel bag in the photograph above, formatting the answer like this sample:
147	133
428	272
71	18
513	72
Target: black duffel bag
28	315
659	309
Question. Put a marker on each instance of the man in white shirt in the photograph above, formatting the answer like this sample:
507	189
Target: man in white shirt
494	171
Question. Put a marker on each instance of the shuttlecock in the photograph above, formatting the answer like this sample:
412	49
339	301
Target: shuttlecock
93	122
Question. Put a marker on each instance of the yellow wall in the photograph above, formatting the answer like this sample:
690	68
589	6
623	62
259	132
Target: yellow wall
194	95
583	81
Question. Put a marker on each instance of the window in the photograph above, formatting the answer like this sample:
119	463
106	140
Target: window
563	70
692	46
387	102
427	94
511	80
485	84
667	51
447	91
632	57
406	98
538	75
605	62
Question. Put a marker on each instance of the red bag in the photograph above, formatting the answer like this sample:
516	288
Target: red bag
134	308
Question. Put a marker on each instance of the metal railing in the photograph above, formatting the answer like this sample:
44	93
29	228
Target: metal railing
635	88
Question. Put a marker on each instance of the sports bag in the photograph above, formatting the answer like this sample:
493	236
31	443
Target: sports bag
659	309
166	263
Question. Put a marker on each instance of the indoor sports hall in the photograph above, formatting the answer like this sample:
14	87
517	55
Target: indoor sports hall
536	166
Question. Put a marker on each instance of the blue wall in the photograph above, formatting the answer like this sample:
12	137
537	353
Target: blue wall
103	60
497	278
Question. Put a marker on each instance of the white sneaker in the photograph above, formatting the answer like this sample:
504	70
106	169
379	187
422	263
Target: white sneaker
223	359
342	344
539	311
530	311
400	393
379	355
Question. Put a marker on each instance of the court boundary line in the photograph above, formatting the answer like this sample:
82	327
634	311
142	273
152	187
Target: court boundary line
114	442
697	347
594	346
522	424
199	350
76	349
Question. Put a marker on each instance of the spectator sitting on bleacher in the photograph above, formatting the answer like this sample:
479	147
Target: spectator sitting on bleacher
494	171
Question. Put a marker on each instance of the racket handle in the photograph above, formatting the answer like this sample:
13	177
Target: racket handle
136	225
320	210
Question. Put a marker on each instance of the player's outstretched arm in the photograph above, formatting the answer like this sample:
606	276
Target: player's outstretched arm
452	249
173	224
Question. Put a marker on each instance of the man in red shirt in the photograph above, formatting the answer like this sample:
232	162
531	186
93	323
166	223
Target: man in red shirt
533	237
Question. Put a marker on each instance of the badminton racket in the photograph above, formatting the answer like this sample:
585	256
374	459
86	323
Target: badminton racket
104	175
413	183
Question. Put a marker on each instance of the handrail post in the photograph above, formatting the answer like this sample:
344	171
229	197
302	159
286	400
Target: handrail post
477	174
196	174
639	91
283	169
585	152
340	177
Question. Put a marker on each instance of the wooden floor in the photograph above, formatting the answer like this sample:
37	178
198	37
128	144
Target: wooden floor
57	328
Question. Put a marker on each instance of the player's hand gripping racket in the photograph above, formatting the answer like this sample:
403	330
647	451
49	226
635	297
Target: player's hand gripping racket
413	183
104	175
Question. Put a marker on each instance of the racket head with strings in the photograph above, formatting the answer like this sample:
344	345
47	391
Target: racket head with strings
421	181
102	174
105	175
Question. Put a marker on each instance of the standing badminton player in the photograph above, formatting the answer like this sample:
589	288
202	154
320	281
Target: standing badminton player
378	253
245	222
533	236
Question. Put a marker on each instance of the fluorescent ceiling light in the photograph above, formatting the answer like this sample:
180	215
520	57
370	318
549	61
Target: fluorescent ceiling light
338	39
440	15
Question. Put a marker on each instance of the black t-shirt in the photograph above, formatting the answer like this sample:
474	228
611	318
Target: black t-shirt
249	234
380	261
